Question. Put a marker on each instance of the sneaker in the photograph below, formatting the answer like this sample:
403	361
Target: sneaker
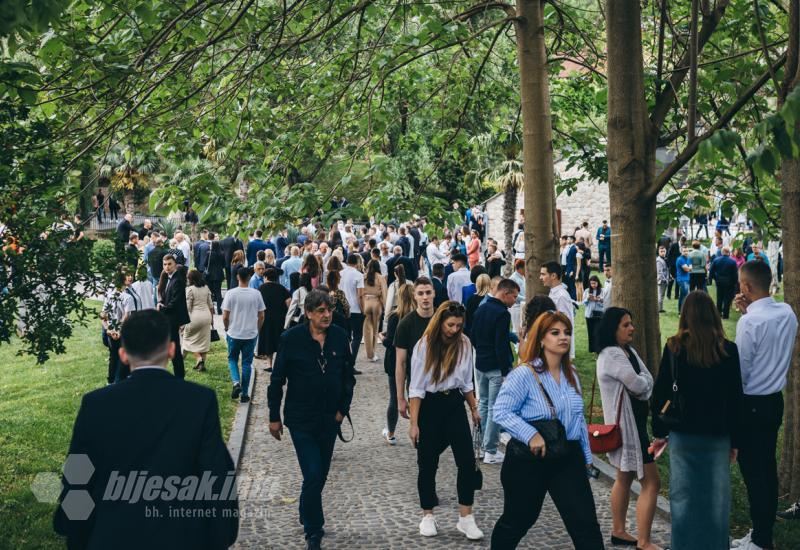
428	526
390	440
742	542
245	399
750	546
467	526
494	458
376	358
505	437
481	453
793	512
237	390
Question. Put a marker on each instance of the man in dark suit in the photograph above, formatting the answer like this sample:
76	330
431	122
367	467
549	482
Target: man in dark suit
572	266
124	229
173	305
230	245
439	288
725	273
151	435
404	243
398	258
201	249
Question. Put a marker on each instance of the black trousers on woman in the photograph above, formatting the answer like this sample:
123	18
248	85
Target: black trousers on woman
443	423
524	485
216	294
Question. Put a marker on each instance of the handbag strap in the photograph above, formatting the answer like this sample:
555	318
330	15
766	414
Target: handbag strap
544	391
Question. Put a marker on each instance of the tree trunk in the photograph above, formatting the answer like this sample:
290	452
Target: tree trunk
128	201
789	471
509	209
541	242
631	170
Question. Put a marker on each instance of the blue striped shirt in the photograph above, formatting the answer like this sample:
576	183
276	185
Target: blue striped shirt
521	400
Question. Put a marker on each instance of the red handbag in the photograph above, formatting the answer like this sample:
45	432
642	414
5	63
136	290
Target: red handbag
604	438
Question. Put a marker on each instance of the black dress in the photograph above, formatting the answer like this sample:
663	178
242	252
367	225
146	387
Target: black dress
640	412
274	296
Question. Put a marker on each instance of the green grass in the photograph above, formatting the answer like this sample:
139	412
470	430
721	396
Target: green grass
787	534
37	411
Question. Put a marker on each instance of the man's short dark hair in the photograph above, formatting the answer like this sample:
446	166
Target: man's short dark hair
422	281
476	271
317	298
507	285
438	270
553	268
459	258
372	243
259	233
212	235
244	273
352	259
758	274
145	335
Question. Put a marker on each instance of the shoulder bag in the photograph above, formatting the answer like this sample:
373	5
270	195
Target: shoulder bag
670	414
477	441
551	430
604	438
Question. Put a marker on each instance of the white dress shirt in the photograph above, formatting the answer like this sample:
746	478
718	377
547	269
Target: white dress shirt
563	301
460	379
456	282
435	256
765	337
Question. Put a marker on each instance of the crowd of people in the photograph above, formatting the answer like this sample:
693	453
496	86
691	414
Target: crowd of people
459	328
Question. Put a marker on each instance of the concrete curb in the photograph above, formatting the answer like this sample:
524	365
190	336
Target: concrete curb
236	439
609	473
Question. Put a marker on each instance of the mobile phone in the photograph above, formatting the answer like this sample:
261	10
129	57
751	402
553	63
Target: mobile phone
592	472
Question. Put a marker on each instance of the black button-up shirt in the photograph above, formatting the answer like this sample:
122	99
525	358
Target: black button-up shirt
320	381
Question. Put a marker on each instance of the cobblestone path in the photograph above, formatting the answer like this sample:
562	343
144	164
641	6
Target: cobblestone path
370	499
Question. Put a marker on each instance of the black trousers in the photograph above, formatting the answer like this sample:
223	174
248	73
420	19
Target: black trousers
177	360
443	423
524	487
760	417
356	332
725	295
670	284
697	281
216	294
114	361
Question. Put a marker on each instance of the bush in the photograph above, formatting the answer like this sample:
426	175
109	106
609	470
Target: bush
104	258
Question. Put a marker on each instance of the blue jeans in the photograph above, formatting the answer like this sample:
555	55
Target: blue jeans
247	348
314	449
489	383
683	292
699	490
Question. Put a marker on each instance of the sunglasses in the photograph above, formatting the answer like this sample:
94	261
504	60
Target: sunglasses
456	308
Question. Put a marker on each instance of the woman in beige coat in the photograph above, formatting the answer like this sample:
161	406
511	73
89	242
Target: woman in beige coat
374	301
197	334
621	374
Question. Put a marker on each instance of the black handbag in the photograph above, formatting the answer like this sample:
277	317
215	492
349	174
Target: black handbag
214	335
671	415
477	441
551	430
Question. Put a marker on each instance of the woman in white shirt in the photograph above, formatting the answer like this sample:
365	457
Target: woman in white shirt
441	380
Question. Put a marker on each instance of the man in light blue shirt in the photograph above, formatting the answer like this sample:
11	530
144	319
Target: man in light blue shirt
765	336
258	277
292	265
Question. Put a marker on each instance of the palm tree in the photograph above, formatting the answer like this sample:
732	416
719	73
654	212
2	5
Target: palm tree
508	177
129	169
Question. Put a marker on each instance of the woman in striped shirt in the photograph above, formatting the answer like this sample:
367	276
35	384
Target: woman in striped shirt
544	384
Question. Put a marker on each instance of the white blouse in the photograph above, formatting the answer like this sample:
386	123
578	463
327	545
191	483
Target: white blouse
460	379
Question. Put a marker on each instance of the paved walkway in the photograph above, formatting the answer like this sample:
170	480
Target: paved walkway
370	499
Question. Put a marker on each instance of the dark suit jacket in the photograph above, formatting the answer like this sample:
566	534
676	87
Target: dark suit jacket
411	273
215	266
124	229
201	249
571	260
229	245
439	293
405	244
150	422
724	270
489	333
174	299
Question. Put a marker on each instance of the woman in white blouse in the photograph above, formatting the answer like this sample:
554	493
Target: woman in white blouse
441	380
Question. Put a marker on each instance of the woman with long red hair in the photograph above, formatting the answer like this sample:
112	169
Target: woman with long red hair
540	405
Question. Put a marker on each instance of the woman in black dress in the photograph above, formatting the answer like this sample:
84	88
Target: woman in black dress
214	273
276	300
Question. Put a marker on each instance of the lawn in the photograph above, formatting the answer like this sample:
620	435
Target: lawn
787	534
37	411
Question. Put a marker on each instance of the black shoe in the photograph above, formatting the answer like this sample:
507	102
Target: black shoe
793	512
245	399
313	543
616	541
237	390
356	371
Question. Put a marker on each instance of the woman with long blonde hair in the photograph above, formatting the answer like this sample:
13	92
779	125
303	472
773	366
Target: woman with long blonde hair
544	391
441	380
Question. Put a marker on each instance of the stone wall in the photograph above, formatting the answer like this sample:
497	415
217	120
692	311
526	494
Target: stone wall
589	202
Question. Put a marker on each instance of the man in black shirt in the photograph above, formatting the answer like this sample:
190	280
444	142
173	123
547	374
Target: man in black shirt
315	359
409	331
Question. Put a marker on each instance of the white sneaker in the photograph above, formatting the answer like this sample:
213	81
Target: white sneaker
505	437
481	453
428	526
467	526
376	358
742	542
750	546
390	440
494	458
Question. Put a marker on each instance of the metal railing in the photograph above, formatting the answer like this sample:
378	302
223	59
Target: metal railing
111	224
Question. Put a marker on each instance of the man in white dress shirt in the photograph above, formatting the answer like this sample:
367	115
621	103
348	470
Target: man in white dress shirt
550	275
435	256
459	278
765	335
